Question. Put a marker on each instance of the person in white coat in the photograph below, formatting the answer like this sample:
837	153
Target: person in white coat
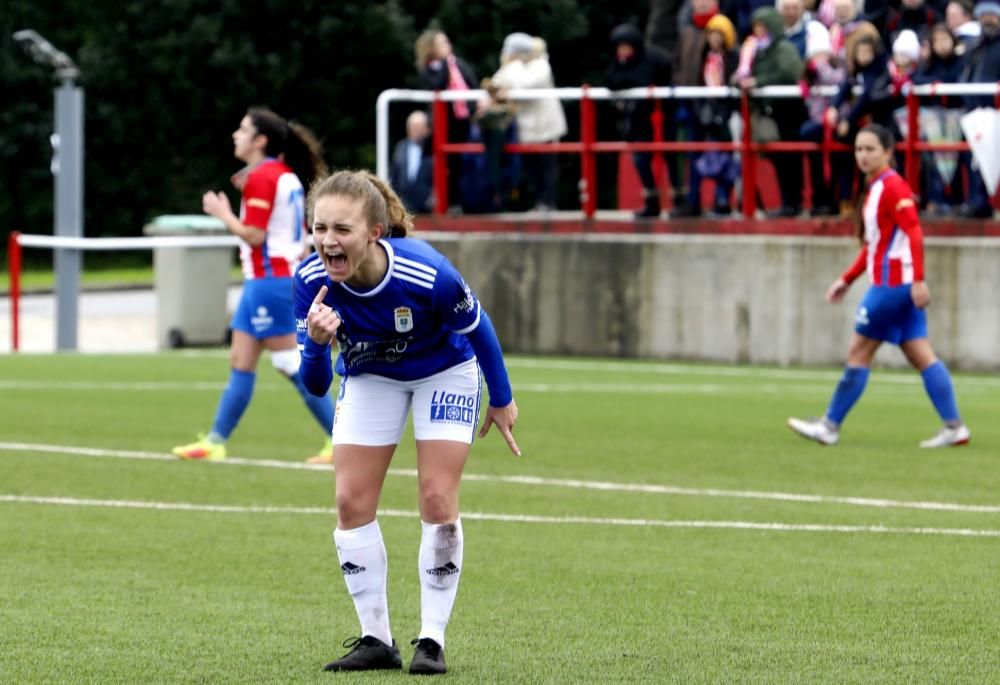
524	63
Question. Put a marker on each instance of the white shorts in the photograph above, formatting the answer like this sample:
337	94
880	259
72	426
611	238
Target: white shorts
372	410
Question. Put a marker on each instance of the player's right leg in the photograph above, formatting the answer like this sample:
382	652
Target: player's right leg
851	386
370	422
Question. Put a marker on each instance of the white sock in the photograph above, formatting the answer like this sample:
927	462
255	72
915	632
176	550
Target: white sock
365	566
440	566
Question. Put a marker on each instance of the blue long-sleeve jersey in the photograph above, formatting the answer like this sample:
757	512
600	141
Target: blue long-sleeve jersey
419	320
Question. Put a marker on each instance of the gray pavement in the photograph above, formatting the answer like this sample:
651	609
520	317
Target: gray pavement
109	321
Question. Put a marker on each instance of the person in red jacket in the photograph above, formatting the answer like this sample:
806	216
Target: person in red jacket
892	310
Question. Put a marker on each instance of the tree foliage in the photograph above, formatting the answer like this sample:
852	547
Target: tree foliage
168	80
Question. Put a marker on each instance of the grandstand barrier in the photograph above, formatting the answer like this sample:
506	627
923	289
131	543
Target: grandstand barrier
699	297
588	146
18	241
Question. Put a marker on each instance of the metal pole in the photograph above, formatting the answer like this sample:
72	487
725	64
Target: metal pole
439	113
67	166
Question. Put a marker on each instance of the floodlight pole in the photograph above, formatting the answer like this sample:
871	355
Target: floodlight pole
67	168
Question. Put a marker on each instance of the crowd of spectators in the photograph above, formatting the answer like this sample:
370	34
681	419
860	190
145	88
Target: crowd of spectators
868	50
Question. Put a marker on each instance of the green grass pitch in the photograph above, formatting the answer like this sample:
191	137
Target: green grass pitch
663	526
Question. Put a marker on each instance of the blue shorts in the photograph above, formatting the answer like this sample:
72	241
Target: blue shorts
265	309
888	314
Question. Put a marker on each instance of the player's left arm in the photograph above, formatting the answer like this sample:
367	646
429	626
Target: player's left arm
462	312
905	216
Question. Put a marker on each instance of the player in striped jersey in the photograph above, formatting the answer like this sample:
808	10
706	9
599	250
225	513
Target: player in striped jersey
280	156
410	333
892	310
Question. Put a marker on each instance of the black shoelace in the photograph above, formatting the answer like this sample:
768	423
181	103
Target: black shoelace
425	644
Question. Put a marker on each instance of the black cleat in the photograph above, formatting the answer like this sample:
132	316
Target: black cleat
429	657
367	654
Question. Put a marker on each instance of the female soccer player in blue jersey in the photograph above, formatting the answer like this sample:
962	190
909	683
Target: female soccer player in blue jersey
892	310
280	157
410	333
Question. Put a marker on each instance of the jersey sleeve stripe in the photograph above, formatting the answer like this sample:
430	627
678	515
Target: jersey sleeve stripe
400	269
416	265
309	278
471	327
410	279
310	269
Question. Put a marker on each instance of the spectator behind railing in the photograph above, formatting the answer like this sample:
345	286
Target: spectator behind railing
939	123
768	59
489	182
960	20
797	22
635	65
411	172
440	69
982	65
524	63
846	19
822	69
682	119
713	114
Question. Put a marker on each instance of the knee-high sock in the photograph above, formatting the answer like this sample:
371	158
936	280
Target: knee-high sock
321	407
849	389
937	382
233	402
365	566
440	565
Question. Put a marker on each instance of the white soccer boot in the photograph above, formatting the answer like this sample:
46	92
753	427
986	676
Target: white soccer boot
815	429
949	437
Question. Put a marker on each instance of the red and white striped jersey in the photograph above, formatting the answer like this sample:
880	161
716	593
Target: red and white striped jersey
893	253
273	201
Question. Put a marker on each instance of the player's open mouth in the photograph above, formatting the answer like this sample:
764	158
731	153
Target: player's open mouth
336	261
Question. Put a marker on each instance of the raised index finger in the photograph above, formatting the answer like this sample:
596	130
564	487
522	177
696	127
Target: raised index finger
318	300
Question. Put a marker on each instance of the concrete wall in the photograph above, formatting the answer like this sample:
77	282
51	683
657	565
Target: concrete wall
751	299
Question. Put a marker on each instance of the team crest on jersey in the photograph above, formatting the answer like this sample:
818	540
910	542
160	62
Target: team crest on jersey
404	319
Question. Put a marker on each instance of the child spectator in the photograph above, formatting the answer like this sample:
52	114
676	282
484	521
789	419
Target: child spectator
822	69
713	114
867	67
905	59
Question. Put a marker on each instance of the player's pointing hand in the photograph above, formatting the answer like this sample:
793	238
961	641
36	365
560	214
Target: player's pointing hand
504	418
322	322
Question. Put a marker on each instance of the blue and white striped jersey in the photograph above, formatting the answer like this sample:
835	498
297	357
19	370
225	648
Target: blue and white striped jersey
409	326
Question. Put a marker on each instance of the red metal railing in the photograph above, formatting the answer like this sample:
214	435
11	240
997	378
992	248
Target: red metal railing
588	147
14	260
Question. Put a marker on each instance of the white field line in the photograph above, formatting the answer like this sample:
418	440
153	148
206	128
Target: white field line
534	480
631	388
638	367
542	388
507	518
647	368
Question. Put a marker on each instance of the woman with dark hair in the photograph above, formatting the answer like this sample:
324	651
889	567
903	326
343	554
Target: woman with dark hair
281	159
892	253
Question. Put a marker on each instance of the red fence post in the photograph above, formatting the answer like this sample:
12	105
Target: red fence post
588	165
440	128
749	163
14	262
911	158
